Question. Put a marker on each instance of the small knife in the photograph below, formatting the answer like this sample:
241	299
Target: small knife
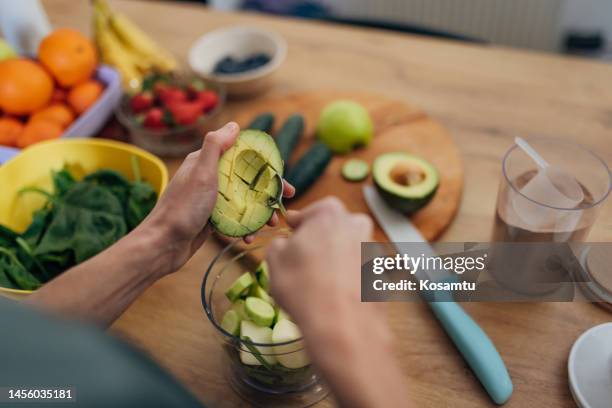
473	343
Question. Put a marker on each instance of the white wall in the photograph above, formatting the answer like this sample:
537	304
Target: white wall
519	23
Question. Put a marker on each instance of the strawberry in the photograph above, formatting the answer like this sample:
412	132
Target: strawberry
207	99
170	94
141	102
196	85
154	119
185	112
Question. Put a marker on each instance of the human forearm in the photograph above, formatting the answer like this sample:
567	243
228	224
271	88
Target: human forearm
358	365
101	288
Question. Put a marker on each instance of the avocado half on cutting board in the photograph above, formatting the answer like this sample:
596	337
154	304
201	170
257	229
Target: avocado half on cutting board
249	188
406	182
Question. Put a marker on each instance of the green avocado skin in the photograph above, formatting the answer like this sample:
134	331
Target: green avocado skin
405	205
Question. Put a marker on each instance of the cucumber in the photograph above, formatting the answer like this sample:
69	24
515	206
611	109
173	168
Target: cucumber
238	307
289	135
309	168
231	322
263	122
240	286
262	276
259	292
355	170
289	355
280	315
259	311
256	334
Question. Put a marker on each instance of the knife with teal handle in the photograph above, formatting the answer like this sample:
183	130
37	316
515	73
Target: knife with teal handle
471	341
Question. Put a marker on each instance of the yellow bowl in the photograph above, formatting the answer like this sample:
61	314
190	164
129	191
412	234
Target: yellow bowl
33	166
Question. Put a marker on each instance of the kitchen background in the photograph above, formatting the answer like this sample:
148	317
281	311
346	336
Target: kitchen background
566	26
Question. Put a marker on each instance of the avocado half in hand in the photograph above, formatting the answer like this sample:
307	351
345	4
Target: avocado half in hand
248	184
406	182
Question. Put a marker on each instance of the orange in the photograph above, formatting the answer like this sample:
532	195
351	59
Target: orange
57	112
68	55
82	96
10	129
37	131
59	95
25	86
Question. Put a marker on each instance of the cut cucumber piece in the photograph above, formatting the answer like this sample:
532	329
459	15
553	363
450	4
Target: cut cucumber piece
406	182
309	168
289	355
280	315
259	292
238	306
240	287
263	122
256	334
262	275
231	322
289	135
355	170
259	311
248	185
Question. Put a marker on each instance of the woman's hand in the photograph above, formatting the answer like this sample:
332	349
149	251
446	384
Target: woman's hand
182	213
315	275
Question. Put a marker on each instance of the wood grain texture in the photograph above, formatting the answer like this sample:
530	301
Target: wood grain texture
484	95
398	126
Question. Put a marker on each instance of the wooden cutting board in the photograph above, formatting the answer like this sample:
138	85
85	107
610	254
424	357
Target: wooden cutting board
398	127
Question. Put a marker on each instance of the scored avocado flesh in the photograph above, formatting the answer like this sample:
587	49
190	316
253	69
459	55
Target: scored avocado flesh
248	186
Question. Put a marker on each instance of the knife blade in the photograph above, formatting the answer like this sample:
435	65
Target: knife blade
469	338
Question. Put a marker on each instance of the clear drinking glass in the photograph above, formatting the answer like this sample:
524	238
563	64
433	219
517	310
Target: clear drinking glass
523	221
272	386
548	223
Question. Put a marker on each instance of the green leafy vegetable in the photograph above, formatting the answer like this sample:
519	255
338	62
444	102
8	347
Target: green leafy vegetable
13	269
62	181
79	220
86	221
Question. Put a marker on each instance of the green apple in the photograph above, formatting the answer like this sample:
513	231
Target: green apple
5	50
344	125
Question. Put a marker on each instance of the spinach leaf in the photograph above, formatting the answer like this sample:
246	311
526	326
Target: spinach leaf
26	256
79	220
62	181
5	281
138	198
13	269
7	237
87	220
38	226
142	199
111	180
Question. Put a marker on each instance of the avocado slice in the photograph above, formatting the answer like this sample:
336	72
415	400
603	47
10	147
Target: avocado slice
406	182
248	186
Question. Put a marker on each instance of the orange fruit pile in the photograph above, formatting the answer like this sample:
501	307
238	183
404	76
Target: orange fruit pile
41	98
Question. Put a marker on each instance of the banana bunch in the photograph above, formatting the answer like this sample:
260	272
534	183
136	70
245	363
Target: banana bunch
125	46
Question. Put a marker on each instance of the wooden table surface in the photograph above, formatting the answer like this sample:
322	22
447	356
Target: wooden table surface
484	95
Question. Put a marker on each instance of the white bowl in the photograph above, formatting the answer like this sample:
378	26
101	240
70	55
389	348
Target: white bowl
239	42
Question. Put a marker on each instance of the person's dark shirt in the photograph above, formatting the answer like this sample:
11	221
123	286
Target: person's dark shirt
38	351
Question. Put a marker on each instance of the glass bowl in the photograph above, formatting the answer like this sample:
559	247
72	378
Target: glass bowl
176	141
269	385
